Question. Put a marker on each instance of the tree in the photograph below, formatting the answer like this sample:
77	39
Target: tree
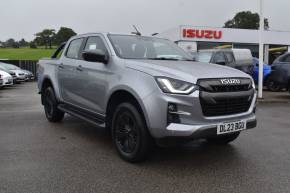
11	43
246	20
23	43
45	38
63	35
32	45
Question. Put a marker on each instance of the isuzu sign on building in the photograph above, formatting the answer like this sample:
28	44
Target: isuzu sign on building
191	33
210	34
201	33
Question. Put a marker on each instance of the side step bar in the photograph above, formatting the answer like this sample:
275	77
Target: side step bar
86	116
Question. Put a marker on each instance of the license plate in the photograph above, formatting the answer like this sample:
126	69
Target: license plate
231	127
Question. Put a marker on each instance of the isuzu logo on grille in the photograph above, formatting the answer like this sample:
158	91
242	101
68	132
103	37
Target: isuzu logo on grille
230	81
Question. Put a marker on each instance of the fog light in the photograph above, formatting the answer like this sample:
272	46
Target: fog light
172	108
172	116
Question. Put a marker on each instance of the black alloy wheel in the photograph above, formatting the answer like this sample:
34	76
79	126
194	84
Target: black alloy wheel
127	136
53	114
129	133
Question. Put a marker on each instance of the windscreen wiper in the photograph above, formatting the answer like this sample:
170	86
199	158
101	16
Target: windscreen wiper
163	58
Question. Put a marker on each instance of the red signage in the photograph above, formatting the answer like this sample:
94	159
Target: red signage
200	34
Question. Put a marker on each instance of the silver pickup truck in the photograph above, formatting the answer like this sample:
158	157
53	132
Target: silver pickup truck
145	89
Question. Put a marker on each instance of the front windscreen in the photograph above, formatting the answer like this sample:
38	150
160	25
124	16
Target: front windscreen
204	57
9	66
139	47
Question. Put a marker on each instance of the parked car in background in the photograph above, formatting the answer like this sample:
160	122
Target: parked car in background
144	89
20	75
267	79
266	70
240	59
13	74
7	79
281	71
29	75
1	81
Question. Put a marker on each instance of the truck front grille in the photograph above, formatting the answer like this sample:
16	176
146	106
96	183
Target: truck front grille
230	88
226	106
221	100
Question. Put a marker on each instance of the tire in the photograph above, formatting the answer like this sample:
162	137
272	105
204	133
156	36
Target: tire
272	86
130	134
223	140
52	113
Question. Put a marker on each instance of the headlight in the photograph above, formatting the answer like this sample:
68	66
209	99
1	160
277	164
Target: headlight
253	83
169	85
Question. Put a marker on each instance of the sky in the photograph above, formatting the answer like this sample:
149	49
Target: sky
23	18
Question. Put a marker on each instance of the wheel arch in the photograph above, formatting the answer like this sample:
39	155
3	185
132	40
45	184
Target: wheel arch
124	95
45	83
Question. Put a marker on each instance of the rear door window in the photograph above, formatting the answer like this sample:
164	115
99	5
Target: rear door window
57	54
73	50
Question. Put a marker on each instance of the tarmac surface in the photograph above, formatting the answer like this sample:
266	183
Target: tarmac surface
275	97
76	157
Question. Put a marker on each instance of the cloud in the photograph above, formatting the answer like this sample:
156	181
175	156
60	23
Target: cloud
24	18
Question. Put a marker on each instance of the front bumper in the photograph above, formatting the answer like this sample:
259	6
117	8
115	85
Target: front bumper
192	123
7	81
201	131
20	79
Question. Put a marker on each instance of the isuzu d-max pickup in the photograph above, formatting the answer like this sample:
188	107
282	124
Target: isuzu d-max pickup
145	89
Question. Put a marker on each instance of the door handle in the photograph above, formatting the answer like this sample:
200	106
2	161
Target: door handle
61	66
80	68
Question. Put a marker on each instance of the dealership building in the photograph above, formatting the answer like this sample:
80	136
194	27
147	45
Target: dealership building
193	38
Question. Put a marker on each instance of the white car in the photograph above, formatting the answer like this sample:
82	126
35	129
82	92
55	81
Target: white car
29	75
7	79
20	74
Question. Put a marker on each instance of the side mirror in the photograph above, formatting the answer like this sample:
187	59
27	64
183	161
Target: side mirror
95	56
